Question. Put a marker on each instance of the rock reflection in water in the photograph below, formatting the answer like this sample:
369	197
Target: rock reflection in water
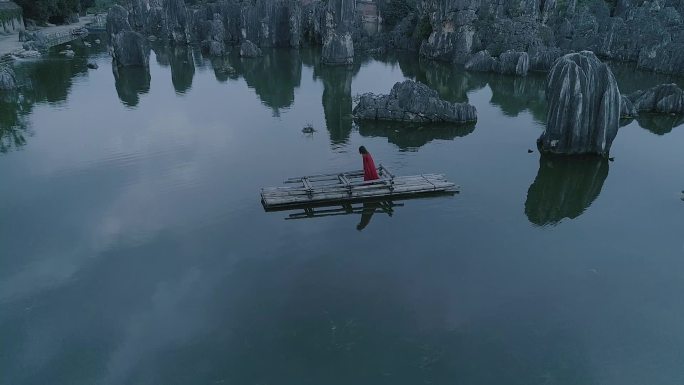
273	76
182	68
337	99
411	136
48	80
564	188
14	111
130	83
659	124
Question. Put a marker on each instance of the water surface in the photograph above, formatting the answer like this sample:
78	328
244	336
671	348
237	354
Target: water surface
134	249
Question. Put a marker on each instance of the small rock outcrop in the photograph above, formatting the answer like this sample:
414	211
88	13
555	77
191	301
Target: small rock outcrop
665	98
8	81
509	63
413	102
513	63
584	106
128	48
249	49
481	62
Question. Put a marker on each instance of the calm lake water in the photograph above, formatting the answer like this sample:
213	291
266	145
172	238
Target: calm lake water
134	248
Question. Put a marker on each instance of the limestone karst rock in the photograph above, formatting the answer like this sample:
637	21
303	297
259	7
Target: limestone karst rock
584	106
127	47
415	102
664	98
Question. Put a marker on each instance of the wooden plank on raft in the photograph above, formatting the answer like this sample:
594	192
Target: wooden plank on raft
350	187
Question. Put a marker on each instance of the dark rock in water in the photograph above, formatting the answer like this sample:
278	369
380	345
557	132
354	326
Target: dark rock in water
565	187
8	81
481	62
410	101
249	49
584	106
92	66
627	109
338	46
513	63
130	49
665	98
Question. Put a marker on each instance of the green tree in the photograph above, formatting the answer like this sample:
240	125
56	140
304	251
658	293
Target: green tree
54	11
393	11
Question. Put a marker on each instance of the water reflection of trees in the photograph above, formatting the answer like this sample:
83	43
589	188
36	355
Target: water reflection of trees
564	187
48	80
337	99
274	76
182	68
14	126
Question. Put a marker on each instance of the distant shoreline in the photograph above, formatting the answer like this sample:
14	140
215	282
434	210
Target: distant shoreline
10	44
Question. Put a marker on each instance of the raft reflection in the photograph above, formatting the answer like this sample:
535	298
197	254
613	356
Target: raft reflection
365	209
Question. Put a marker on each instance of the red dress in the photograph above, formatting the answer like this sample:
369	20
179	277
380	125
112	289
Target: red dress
369	171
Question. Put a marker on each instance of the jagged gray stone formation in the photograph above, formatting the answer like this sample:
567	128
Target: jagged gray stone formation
249	49
513	63
481	62
584	106
665	98
8	81
542	59
509	63
127	47
650	33
338	46
414	102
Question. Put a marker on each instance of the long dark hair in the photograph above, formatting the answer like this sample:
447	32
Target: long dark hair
362	150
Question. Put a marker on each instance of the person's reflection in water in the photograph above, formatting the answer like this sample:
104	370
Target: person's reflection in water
370	208
565	187
366	214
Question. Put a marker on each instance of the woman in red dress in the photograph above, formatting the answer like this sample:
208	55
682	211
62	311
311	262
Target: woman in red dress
369	170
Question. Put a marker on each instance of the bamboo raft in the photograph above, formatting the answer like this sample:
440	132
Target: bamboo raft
349	187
